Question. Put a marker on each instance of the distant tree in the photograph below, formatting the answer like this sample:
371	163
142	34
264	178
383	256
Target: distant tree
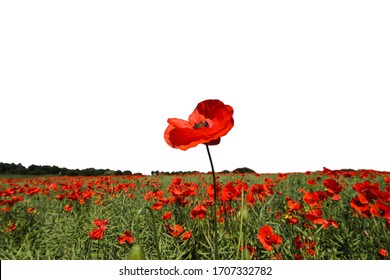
19	170
243	170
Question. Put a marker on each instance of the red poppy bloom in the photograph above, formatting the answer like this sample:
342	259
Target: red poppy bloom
11	227
311	182
5	209
298	243
292	220
210	191
102	224
370	191
97	234
210	120
250	198
314	198
187	235
160	204
333	188
267	238
228	192
166	216
175	230
293	205
67	208
380	209
360	204
176	181
304	244
199	211
382	252
126	237
315	216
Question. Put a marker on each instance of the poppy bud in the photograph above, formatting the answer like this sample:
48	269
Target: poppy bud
136	253
246	254
245	214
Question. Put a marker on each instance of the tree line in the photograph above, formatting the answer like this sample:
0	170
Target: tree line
19	169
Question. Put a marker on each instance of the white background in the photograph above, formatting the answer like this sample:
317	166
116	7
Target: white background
92	83
111	269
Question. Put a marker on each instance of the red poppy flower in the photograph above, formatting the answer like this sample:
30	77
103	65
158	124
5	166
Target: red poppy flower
333	188
210	120
198	211
176	181
175	230
370	191
228	192
380	209
304	244
292	220
5	209
126	237
382	252
293	205
315	216
187	235
250	198
97	234
313	199
11	227
360	204
102	224
267	238
311	182
160	204
210	191
67	208
166	216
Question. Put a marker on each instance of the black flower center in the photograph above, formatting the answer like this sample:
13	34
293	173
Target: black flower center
201	124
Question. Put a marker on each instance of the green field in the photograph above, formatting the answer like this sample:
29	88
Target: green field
328	214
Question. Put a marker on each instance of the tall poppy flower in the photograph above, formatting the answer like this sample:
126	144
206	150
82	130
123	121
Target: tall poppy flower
210	120
267	238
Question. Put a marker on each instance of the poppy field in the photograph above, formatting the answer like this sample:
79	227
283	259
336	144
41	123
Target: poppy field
321	215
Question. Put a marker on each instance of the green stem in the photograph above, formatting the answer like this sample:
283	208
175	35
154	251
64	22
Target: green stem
241	234
154	229
98	250
214	206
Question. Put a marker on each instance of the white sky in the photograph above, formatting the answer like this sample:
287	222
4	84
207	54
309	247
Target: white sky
92	83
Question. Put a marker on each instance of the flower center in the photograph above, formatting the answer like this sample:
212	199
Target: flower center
201	124
268	237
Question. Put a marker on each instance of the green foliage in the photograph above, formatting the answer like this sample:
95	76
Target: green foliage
44	230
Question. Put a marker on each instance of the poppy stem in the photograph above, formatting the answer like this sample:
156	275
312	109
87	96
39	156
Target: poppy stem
154	229
214	206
